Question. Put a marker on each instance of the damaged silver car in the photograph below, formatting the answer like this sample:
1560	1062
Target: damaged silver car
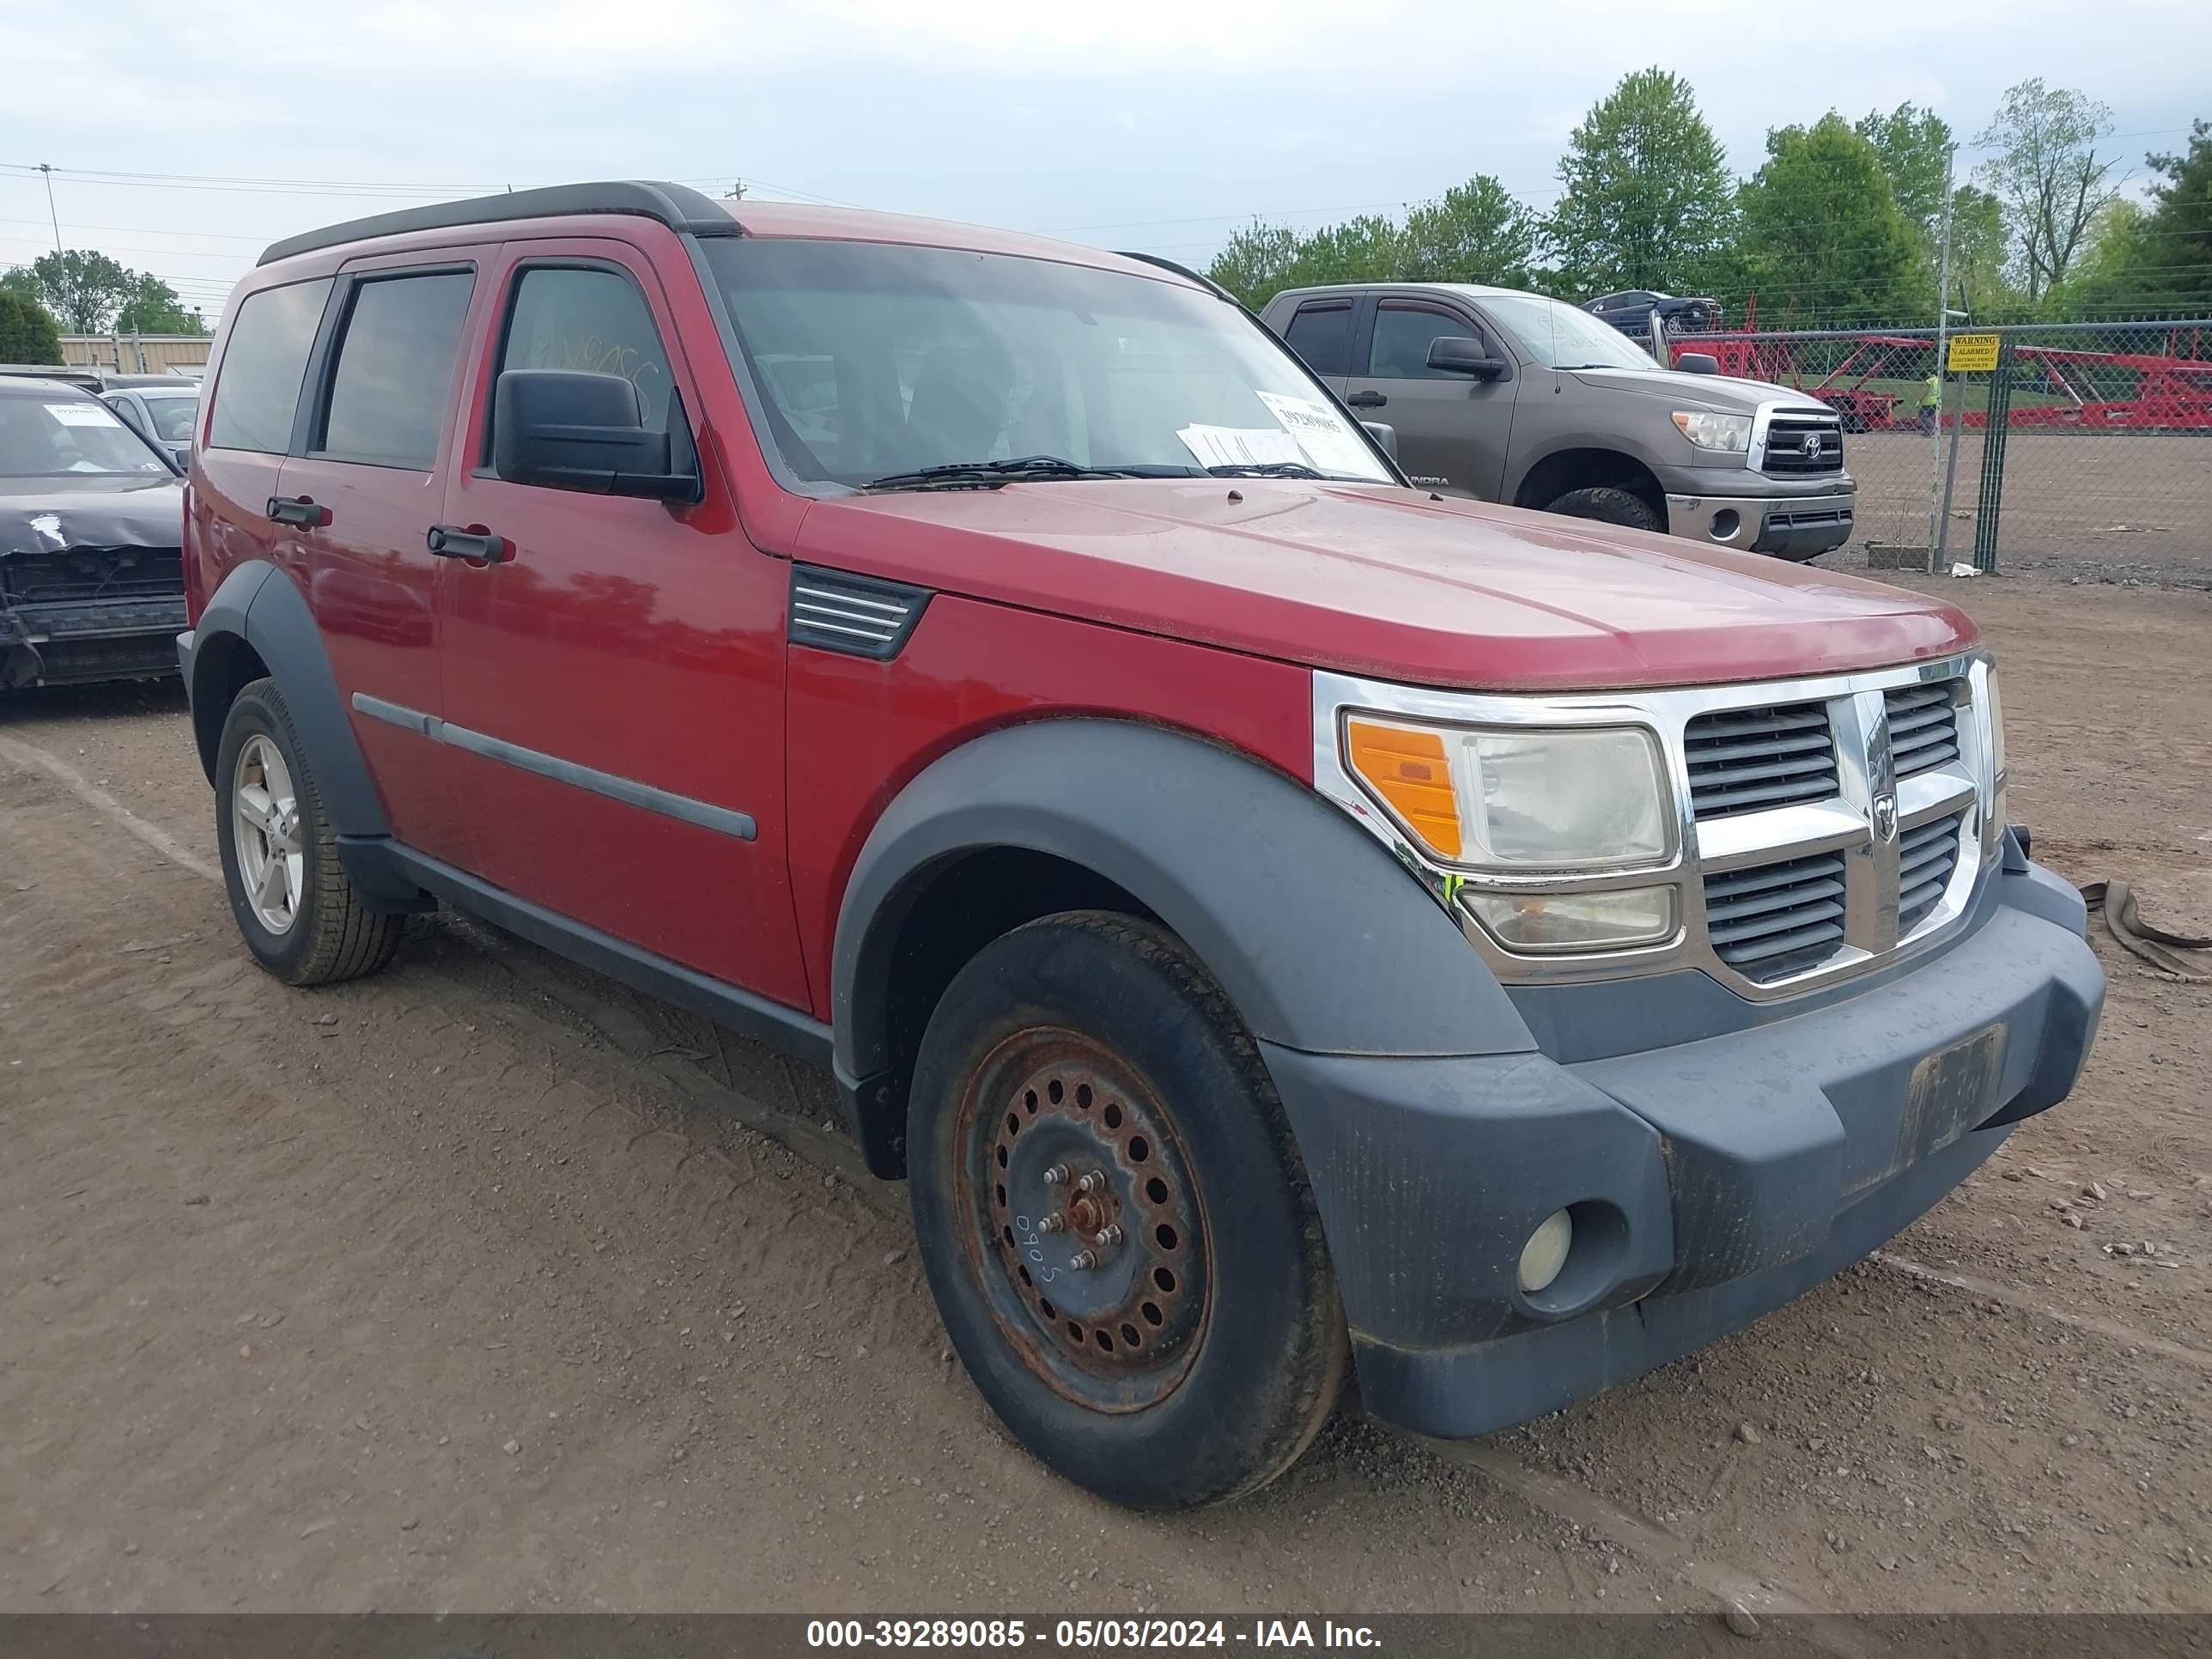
92	584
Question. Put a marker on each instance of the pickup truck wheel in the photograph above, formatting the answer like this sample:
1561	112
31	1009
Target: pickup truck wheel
1607	506
295	907
1115	1224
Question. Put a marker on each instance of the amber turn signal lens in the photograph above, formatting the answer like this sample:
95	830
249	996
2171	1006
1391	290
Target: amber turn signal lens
1406	768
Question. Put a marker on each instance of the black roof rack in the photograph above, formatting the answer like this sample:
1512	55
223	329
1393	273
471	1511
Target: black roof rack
677	206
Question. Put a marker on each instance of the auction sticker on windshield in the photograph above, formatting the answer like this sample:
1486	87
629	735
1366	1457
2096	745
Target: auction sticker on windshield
82	414
1329	445
1242	445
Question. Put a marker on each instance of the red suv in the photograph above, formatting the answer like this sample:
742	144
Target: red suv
1274	918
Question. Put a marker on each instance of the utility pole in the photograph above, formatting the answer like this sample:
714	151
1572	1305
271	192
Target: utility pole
46	169
737	190
1939	498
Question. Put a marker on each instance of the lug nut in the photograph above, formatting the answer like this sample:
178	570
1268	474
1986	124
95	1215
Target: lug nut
1093	1181
1082	1262
1056	1175
1051	1224
1109	1236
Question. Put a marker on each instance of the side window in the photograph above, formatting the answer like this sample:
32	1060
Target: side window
394	376
1403	335
590	319
1321	334
258	390
122	406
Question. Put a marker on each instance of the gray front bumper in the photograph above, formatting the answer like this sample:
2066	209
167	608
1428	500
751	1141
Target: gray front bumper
1713	1180
1788	527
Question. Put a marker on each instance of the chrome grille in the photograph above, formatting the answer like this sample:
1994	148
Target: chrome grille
1801	444
1923	725
1775	920
1746	760
1926	857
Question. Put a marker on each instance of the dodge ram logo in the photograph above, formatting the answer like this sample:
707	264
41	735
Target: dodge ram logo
1885	816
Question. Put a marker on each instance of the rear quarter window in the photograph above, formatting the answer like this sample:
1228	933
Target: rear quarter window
258	387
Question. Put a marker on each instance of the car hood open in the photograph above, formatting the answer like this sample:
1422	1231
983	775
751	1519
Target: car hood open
1390	583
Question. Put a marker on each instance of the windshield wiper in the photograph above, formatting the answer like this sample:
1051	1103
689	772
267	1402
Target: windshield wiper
1265	470
990	475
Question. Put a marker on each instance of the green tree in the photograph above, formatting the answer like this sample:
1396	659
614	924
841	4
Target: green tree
81	287
1915	147
153	308
1822	232
2158	258
1647	196
1979	245
2049	175
1254	262
1476	232
1368	249
27	333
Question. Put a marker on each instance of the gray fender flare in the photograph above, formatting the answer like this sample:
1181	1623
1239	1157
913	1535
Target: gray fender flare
259	606
1321	939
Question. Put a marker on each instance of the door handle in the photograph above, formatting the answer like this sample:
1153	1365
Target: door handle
453	541
1366	400
302	512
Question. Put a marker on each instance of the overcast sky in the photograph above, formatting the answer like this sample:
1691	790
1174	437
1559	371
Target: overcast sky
1158	125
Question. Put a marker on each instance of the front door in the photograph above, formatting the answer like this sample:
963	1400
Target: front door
614	684
1453	429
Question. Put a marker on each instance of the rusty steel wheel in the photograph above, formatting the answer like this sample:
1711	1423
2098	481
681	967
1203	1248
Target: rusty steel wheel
1086	1228
1116	1224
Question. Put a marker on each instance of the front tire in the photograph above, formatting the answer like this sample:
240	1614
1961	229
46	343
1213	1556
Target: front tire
1115	1221
1607	506
294	905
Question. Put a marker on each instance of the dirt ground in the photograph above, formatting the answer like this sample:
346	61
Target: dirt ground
485	1284
2095	507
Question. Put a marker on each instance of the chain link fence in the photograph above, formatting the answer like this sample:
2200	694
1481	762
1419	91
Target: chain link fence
2081	449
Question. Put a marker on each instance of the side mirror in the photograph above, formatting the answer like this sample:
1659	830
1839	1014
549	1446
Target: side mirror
564	429
1455	354
1698	362
1384	434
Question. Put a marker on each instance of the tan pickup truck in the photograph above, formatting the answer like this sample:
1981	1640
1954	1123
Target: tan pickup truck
1511	396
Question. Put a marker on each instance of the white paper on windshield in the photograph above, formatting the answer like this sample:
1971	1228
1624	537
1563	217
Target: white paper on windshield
83	415
1320	431
1241	445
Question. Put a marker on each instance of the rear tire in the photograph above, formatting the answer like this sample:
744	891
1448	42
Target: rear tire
1083	1088
294	905
1607	506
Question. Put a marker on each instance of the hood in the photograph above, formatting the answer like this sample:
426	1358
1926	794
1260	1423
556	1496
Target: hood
1723	393
44	515
1386	582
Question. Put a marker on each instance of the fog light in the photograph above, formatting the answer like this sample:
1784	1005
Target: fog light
1545	1252
1726	523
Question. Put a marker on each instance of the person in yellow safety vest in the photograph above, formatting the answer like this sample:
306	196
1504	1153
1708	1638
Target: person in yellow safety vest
1931	402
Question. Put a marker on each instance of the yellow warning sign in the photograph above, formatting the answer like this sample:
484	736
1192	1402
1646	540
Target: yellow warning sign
1973	354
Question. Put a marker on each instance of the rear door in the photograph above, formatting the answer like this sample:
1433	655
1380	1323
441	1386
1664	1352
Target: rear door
377	435
616	681
1453	429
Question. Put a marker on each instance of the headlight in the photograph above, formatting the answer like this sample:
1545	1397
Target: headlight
1728	432
1519	801
1997	730
1993	825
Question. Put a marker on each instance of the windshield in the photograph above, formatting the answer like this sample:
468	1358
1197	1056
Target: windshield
49	436
1561	336
173	417
881	361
